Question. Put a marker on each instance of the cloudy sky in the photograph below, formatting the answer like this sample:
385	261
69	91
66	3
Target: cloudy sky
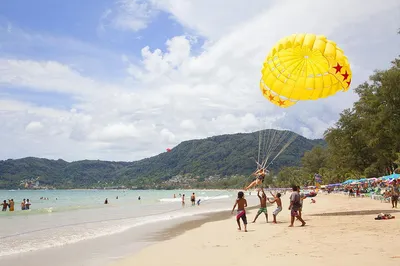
126	79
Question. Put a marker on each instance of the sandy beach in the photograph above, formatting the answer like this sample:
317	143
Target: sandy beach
339	231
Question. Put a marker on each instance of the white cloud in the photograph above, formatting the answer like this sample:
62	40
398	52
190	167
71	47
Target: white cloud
34	126
212	18
132	15
172	95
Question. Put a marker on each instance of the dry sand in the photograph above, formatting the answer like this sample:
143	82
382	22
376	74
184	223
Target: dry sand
339	231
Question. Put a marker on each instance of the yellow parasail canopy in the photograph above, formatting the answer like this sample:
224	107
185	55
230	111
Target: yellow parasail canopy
304	67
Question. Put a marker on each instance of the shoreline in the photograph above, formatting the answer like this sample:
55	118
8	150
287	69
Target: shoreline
182	227
337	225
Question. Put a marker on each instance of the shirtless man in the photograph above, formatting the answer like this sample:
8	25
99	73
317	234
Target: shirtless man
263	207
277	199
5	205
241	203
193	199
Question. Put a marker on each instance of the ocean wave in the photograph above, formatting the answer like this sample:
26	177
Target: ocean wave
202	198
73	233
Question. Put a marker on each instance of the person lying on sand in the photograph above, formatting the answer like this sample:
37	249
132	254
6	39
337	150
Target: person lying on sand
241	203
263	205
277	199
260	175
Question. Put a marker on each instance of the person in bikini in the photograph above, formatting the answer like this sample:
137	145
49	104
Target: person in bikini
263	205
277	199
241	204
260	176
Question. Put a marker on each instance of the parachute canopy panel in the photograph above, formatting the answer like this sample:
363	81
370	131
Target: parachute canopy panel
304	67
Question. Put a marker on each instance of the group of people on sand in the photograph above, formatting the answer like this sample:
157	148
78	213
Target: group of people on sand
25	205
295	207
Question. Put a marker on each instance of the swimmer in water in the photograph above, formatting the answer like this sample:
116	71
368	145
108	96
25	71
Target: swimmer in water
193	199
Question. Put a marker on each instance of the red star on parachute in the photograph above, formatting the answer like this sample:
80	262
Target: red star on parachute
345	75
348	83
271	97
280	102
338	68
264	91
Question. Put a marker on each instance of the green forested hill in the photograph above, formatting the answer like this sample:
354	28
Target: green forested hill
223	156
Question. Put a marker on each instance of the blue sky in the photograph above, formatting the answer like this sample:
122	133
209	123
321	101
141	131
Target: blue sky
124	79
75	33
81	23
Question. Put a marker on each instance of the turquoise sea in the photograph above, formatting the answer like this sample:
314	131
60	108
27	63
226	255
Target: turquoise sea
76	217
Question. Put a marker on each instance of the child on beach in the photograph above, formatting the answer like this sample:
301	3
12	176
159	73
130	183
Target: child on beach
277	199
263	205
241	203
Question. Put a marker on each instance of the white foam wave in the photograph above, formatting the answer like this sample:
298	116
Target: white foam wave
70	234
202	198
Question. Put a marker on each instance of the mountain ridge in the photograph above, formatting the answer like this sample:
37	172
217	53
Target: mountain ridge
222	155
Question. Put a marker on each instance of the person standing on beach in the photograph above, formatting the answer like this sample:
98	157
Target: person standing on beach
395	194
183	200
193	199
263	205
277	199
241	203
295	207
